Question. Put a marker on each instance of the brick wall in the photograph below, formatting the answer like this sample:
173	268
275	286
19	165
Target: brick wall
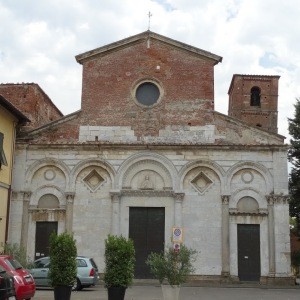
32	101
186	81
265	115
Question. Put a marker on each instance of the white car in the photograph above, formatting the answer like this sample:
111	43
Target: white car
87	272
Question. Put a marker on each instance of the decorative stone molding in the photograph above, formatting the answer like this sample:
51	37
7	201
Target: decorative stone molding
49	174
201	182
277	199
47	214
46	162
235	212
93	180
147	193
247	177
154	161
152	165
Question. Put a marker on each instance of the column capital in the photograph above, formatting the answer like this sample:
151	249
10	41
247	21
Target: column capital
26	195
277	199
115	195
70	197
225	199
179	196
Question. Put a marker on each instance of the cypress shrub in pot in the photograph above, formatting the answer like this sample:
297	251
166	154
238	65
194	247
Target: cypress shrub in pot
63	266
119	266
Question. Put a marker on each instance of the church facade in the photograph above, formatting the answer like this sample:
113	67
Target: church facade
147	152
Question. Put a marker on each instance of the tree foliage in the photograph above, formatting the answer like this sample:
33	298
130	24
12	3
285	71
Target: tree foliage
294	158
173	266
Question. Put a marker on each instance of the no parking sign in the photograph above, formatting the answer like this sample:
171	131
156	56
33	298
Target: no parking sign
177	236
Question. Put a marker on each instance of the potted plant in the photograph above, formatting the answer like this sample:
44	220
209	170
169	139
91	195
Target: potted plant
63	267
172	266
119	266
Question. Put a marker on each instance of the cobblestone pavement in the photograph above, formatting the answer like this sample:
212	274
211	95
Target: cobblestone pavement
186	293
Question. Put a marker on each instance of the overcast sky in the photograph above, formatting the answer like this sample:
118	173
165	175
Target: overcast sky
39	41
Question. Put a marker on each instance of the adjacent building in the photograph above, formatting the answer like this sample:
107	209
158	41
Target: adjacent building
10	120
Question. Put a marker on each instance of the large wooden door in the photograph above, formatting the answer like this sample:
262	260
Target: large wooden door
42	235
248	252
147	229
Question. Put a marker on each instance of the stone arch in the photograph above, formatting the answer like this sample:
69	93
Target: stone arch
48	189
214	167
247	204
48	201
262	170
152	162
88	163
37	165
248	192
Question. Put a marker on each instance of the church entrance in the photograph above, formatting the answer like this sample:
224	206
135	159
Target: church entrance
42	235
147	230
248	252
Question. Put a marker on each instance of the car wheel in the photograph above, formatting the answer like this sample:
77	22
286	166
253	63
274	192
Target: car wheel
76	286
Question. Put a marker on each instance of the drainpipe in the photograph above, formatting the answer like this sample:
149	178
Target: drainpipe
7	213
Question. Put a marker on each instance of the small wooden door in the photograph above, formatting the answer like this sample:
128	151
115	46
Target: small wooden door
147	229
248	252
42	235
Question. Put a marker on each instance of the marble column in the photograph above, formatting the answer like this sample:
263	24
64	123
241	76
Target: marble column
271	234
272	200
225	236
115	226
69	211
25	218
178	209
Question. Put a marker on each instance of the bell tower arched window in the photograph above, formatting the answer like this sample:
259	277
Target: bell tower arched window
255	96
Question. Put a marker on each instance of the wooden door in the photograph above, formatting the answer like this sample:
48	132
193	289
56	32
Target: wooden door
248	252
42	235
147	229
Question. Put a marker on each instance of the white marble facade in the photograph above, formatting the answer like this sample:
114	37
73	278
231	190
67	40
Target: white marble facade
201	190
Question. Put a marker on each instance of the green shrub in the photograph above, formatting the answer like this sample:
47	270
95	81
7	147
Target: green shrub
63	253
119	261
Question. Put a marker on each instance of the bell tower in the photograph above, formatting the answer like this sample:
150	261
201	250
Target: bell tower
254	99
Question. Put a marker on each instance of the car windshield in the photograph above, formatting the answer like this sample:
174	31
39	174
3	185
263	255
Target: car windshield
43	263
14	264
2	270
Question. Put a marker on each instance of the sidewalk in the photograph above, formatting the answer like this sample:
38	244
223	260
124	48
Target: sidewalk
147	292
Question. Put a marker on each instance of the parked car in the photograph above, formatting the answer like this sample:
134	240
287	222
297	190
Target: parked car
23	280
7	287
87	272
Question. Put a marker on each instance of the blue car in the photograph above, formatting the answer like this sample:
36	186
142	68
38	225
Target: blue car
87	273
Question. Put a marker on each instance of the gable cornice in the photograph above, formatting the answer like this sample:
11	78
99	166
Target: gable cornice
81	58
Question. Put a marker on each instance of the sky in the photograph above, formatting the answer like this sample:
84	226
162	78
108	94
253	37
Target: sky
40	39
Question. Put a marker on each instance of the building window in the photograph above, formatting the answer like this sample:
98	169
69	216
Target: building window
147	93
3	160
255	96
